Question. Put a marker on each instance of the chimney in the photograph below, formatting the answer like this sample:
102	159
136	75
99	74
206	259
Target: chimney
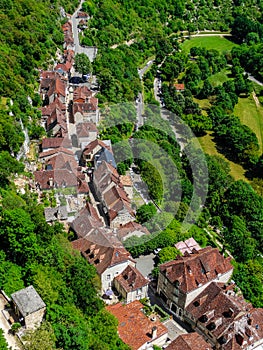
154	332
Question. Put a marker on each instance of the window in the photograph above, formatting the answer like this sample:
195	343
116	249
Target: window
108	277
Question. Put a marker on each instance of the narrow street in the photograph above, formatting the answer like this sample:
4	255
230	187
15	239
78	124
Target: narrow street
90	51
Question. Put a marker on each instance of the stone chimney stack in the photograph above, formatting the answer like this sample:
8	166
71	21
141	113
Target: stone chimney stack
154	332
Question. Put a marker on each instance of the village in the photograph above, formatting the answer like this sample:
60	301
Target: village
194	304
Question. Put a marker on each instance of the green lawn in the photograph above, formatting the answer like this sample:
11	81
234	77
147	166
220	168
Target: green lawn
251	115
209	147
218	43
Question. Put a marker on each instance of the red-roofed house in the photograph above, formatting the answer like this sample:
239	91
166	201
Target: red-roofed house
179	87
189	341
182	279
225	319
131	229
135	328
103	250
49	143
131	284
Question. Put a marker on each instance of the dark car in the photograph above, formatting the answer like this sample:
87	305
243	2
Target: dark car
76	80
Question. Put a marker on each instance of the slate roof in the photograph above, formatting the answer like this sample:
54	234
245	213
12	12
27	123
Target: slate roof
134	327
131	279
190	341
102	249
196	269
105	155
54	214
28	301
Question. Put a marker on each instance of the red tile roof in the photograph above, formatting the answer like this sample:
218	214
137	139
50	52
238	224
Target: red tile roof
227	316
85	107
60	178
198	268
85	222
179	87
56	142
54	151
187	246
49	109
102	249
84	129
134	327
93	144
131	227
190	341
82	94
131	279
57	86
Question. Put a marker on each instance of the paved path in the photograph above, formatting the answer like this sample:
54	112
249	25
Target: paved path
90	51
157	85
11	340
145	264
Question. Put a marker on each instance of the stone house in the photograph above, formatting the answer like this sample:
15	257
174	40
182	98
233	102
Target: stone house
103	250
29	307
184	278
225	319
131	284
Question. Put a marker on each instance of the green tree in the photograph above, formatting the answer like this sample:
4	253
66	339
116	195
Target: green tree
167	254
82	63
145	212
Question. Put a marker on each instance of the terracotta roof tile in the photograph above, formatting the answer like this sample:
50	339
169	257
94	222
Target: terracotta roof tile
49	109
134	327
197	268
131	227
131	279
82	94
190	341
56	142
84	223
102	249
59	178
84	129
227	316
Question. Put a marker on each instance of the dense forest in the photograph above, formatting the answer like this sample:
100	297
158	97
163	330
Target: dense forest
33	252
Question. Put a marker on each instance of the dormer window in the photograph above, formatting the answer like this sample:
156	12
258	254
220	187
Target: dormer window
87	251
96	261
189	269
196	303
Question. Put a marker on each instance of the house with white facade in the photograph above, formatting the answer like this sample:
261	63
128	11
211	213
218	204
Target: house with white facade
182	279
103	250
131	284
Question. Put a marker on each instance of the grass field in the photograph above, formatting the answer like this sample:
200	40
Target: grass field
251	115
218	43
209	147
